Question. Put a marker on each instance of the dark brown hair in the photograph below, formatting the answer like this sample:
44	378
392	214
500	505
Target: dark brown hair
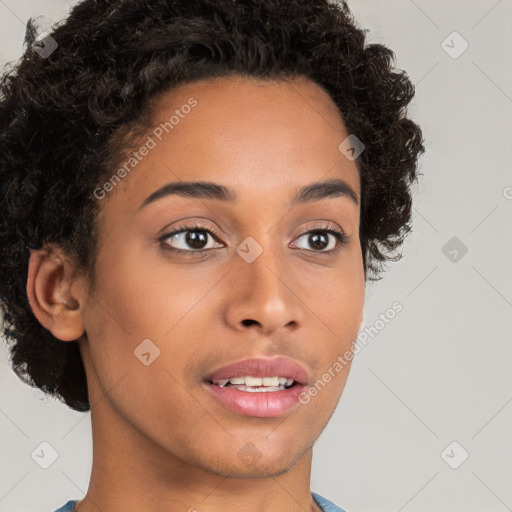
61	113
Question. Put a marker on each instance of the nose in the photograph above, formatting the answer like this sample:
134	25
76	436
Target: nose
263	296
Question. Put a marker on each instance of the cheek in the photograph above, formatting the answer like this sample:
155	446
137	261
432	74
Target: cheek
346	308
147	296
133	304
142	298
334	298
339	307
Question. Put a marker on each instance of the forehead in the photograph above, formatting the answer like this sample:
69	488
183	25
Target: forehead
246	133
236	93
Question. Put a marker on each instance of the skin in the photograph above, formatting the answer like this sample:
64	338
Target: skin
160	442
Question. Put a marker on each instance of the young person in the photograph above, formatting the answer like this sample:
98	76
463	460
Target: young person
195	193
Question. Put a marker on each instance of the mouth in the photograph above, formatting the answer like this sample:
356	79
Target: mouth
262	387
253	384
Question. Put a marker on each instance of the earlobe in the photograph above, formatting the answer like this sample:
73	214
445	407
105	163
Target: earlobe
49	282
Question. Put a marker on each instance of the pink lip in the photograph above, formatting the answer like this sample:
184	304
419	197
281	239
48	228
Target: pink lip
264	404
262	367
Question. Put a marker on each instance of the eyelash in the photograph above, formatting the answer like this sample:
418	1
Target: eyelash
327	228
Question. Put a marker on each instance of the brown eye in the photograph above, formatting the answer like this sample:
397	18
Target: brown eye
318	240
188	239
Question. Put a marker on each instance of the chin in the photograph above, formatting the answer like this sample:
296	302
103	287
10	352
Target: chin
251	462
260	469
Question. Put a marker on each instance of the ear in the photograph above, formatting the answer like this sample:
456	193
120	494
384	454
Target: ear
56	297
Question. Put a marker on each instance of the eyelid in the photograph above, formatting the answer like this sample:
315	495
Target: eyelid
324	225
194	226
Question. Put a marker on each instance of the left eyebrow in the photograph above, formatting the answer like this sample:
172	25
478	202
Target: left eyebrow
325	190
210	190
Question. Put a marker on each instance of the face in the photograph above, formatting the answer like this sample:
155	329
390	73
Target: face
251	278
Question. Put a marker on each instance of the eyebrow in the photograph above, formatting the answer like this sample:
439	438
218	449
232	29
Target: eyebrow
210	190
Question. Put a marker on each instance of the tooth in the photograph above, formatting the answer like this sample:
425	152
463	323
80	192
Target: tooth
253	381
260	389
249	381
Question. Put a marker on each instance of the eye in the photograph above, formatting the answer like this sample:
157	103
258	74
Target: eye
318	239
190	239
194	239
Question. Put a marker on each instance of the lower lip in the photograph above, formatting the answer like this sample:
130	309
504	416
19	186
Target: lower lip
264	404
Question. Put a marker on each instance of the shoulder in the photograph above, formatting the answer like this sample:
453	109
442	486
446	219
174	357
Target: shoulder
68	507
325	504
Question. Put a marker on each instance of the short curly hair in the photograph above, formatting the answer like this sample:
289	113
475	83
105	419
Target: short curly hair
65	119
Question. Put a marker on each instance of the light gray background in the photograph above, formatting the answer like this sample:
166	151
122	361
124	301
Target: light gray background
440	371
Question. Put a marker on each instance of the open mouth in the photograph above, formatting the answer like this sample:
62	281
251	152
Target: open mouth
263	387
263	401
256	384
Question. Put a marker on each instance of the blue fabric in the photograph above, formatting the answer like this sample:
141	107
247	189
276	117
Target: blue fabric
323	503
68	507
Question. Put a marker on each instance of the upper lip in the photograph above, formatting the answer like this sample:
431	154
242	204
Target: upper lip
262	367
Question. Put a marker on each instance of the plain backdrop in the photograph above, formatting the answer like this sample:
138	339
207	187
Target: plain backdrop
425	421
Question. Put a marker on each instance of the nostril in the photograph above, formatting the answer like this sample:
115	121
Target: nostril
249	322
